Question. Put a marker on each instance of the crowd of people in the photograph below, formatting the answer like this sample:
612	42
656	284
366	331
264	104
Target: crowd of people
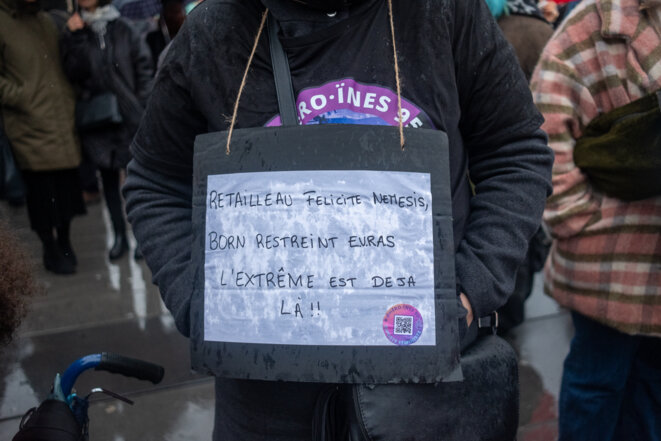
61	79
81	99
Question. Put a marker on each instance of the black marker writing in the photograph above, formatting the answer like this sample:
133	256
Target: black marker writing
341	282
390	282
279	279
286	309
407	201
270	241
223	242
371	241
314	199
233	200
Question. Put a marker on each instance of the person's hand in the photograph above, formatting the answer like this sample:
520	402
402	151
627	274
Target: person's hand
75	23
467	305
549	10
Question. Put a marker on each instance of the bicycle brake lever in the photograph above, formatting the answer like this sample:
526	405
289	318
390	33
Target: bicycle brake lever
109	393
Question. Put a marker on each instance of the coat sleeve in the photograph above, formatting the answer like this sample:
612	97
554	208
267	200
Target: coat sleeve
142	66
509	161
10	93
561	99
159	209
158	188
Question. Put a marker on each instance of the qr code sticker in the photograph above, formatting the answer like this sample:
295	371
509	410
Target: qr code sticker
403	325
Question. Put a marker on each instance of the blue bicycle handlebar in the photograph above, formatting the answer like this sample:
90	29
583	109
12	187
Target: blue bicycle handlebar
117	364
75	369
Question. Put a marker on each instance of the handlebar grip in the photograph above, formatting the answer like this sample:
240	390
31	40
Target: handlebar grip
130	367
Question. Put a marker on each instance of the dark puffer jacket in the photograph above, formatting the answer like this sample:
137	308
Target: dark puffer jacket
126	70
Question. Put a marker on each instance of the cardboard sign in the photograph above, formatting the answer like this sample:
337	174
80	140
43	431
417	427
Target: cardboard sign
320	258
324	254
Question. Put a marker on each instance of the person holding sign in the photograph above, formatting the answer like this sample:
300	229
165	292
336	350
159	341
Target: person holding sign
301	189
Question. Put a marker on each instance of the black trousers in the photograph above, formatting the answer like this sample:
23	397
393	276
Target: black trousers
53	198
110	180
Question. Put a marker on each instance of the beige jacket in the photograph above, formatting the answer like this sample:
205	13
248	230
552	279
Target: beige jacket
36	100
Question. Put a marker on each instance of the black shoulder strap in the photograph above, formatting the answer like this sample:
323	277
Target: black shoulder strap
283	85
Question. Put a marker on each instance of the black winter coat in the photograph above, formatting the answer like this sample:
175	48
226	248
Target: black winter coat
118	62
455	66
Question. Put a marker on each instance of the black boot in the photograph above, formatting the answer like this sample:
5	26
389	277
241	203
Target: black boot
54	260
137	254
119	248
65	244
68	253
110	179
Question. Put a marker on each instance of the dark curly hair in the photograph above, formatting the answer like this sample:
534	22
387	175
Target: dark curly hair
17	284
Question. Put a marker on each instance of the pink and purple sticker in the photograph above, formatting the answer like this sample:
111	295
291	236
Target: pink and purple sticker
402	324
347	101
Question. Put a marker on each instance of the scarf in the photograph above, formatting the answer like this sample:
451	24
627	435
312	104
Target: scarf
524	7
99	19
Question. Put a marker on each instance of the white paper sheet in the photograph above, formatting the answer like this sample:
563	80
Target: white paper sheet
320	258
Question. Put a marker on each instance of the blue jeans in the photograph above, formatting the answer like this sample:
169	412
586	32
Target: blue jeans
611	385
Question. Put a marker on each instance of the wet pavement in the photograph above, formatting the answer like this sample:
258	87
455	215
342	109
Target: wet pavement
113	307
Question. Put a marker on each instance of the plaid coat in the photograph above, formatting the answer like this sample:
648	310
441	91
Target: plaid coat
605	262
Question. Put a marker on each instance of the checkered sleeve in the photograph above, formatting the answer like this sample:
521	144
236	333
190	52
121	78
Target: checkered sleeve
567	106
